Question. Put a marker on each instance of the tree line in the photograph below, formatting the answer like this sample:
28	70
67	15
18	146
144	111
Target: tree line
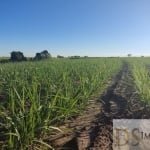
17	56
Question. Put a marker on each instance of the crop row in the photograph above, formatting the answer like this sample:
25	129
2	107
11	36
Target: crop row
37	96
141	73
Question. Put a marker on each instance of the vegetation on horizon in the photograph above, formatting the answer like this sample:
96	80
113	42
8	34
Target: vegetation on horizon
18	56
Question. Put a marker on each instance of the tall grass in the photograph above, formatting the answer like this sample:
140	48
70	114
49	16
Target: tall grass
37	96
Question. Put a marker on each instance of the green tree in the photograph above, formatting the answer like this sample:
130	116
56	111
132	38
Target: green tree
17	56
42	55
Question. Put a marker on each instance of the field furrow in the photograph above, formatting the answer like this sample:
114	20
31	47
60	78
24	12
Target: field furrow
93	129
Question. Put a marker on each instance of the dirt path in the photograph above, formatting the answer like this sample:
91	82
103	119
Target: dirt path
93	129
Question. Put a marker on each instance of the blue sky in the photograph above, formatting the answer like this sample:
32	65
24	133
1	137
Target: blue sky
75	27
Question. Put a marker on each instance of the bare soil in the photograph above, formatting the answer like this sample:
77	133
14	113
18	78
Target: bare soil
92	130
